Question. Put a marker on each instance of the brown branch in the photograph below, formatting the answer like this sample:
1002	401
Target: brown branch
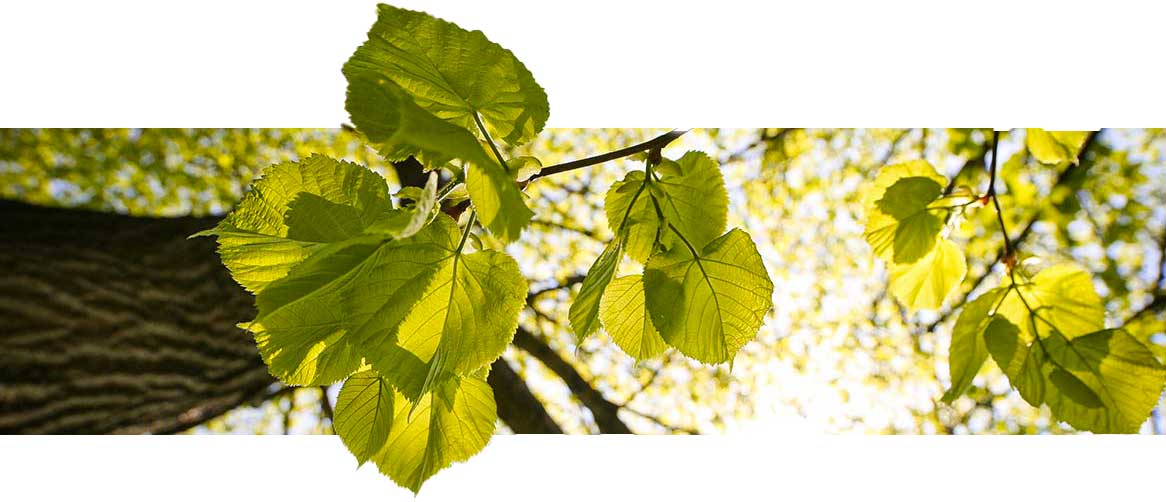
570	281
605	412
521	411
653	144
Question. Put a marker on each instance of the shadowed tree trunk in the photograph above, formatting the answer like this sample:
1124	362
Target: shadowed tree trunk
119	324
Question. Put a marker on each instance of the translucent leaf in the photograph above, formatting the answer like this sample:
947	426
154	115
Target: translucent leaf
426	313
1054	147
695	202
899	226
499	202
709	306
400	128
626	319
388	118
292	211
450	424
407	221
364	414
968	349
452	73
927	283
1105	382
628	204
1064	297
692	197
301	326
524	167
584	313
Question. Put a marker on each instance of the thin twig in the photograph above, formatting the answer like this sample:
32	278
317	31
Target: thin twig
653	144
656	420
1009	256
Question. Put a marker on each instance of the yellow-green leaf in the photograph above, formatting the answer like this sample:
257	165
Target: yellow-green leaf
452	73
450	424
364	414
928	282
900	225
1054	147
691	195
293	210
708	303
626	319
968	349
584	313
458	320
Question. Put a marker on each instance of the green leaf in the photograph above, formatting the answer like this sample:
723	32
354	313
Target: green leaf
1048	336
390	120
450	424
456	320
400	128
1104	382
364	414
301	328
626	319
407	221
523	167
640	220
692	197
918	228
1054	147
968	348
695	202
584	314
709	305
1063	295
499	202
294	210
899	226
927	283
452	73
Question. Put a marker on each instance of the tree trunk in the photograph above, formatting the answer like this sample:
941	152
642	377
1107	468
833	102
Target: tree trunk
119	324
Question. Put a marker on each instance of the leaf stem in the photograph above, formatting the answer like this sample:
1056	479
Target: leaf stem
493	146
653	144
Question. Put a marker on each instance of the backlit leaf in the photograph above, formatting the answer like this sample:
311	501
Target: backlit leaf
968	349
294	209
709	305
452	73
1054	147
900	227
584	313
456	320
692	198
450	424
928	282
364	414
626	319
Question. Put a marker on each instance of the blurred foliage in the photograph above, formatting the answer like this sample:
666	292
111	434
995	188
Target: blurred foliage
837	353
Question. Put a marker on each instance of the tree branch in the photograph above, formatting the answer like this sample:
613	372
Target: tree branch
521	411
605	412
653	144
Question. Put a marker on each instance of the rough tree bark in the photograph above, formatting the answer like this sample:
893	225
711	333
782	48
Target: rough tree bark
118	324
